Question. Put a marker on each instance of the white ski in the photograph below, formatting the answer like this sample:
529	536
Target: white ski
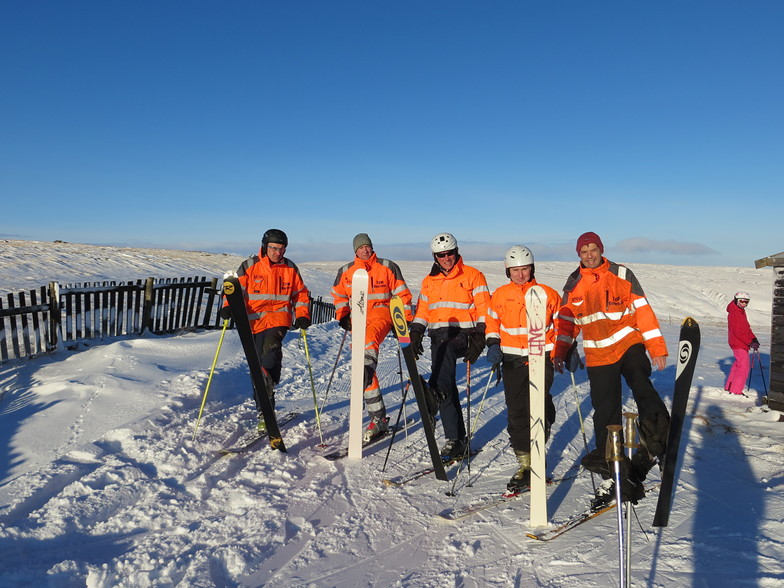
535	309
359	288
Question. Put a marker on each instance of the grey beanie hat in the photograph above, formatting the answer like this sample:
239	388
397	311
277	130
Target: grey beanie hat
360	240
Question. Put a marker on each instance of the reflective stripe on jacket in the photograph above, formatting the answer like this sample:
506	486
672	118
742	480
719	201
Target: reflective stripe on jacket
384	281
273	292
609	306
457	299
506	318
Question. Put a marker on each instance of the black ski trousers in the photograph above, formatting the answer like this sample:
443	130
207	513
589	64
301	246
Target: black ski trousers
446	348
518	405
269	347
607	395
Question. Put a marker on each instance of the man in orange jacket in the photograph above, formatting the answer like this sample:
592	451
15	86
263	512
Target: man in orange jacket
274	291
605	302
452	305
507	346
385	280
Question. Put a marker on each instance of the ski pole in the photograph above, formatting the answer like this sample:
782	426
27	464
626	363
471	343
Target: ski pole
630	443
397	422
614	454
402	391
209	379
334	367
573	362
582	425
762	372
312	385
467	452
476	420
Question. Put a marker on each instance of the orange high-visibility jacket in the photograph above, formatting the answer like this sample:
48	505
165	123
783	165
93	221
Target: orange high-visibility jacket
609	306
273	292
507	322
385	280
457	299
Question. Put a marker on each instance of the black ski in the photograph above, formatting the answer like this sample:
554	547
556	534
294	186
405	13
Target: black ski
453	514
236	298
405	479
400	325
250	441
688	348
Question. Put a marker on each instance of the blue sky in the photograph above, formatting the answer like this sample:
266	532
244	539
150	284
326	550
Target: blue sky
198	125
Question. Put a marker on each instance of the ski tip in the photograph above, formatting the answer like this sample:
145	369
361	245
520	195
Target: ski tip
689	322
390	483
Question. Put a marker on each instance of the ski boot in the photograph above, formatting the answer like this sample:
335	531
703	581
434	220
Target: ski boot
521	480
604	496
454	449
377	426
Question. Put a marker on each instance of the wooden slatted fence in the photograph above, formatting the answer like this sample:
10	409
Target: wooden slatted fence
44	319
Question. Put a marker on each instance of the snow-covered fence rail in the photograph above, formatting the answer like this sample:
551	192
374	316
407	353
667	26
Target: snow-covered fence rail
44	319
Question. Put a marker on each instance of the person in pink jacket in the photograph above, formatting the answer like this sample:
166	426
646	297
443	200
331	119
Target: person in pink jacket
741	339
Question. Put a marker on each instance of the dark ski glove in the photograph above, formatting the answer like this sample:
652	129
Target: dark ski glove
572	361
754	344
494	354
416	342
476	344
224	313
345	322
302	322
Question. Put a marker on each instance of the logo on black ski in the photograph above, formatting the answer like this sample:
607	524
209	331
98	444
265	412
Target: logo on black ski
684	353
401	327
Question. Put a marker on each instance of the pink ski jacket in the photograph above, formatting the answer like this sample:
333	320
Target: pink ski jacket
739	334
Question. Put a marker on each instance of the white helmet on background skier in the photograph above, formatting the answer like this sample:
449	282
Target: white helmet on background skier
742	295
518	256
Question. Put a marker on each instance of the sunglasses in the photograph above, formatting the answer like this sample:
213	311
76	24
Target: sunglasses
444	254
742	301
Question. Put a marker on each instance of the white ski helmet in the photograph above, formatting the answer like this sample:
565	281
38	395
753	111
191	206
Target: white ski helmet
742	295
517	256
443	242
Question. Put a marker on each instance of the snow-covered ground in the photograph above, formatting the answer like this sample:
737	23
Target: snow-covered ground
102	483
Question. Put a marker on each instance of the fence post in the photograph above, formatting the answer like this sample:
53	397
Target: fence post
55	318
147	308
212	291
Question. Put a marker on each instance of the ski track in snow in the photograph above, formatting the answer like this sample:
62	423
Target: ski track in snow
103	485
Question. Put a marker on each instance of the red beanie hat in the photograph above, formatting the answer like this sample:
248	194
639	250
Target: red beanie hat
587	239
